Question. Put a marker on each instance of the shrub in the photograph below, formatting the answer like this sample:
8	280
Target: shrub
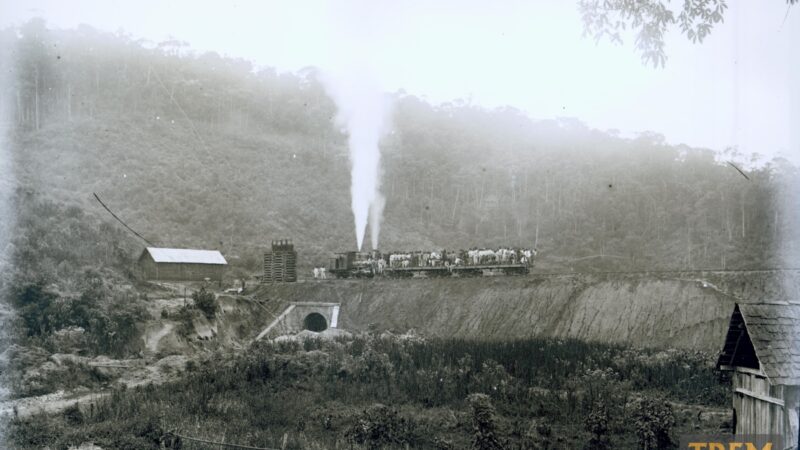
597	425
206	302
539	434
483	423
73	415
191	366
185	323
34	305
654	421
379	426
493	378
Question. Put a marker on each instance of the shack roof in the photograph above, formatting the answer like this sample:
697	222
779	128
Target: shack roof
186	256
773	329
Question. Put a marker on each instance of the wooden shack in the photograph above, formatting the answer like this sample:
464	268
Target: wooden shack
180	264
762	353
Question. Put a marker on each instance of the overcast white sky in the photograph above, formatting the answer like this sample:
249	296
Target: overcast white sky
740	88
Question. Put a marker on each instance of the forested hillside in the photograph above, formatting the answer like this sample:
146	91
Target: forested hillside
200	150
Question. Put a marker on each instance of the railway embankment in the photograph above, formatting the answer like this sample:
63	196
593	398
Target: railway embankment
658	309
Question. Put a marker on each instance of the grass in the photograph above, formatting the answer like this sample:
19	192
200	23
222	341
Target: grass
374	392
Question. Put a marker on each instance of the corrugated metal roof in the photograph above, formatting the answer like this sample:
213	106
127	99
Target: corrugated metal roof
185	255
774	330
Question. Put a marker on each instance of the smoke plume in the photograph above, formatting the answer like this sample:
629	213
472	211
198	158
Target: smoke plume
363	110
375	218
352	75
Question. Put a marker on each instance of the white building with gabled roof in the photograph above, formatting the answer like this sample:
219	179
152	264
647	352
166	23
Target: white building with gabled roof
181	264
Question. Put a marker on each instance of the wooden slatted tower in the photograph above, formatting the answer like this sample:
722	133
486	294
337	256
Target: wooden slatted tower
280	264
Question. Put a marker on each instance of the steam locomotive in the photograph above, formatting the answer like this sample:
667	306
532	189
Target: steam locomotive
464	263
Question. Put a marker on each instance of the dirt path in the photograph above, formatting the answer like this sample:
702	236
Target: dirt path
50	403
154	338
137	373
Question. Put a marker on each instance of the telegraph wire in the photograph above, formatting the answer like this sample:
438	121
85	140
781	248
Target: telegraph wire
120	220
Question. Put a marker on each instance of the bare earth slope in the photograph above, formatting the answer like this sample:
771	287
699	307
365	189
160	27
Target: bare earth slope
662	310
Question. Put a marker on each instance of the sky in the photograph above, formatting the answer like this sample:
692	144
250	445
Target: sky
739	88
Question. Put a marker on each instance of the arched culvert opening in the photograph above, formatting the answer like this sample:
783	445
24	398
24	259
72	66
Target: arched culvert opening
315	322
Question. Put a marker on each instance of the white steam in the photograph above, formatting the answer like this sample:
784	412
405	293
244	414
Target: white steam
363	112
375	218
351	75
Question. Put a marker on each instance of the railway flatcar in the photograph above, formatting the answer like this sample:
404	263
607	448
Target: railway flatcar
464	263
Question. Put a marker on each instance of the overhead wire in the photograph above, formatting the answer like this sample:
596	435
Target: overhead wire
121	221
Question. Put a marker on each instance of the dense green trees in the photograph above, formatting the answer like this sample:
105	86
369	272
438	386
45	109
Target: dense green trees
104	321
207	151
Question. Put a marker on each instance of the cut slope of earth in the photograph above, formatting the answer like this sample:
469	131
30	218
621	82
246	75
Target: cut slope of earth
685	310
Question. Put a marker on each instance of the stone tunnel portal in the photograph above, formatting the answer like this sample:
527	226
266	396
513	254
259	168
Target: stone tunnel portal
315	322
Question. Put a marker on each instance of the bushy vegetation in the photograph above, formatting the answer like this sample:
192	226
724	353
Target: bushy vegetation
654	421
57	243
95	320
107	321
444	394
483	423
597	426
206	302
380	426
